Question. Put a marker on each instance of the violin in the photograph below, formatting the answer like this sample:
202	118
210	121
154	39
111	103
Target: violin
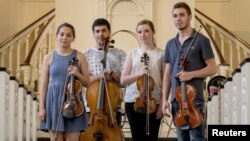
145	103
145	85
103	98
73	106
188	116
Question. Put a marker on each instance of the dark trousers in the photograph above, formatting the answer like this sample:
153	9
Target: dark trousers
119	116
137	122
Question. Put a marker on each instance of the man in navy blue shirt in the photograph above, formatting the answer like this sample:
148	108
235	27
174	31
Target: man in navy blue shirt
198	64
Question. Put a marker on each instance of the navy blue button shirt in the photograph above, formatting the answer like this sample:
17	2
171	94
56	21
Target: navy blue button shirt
200	51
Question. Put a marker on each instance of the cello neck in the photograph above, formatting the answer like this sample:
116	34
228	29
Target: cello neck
101	94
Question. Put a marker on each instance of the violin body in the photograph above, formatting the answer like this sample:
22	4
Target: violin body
188	115
102	121
73	106
140	104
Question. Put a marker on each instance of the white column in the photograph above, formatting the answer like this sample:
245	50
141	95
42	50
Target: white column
11	59
4	84
213	110
224	69
26	74
27	45
245	68
21	125
231	53
216	109
236	75
13	92
102	8
34	119
18	58
228	101
222	45
28	116
209	112
2	61
222	101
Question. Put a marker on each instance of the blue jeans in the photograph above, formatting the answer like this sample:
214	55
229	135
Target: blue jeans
191	134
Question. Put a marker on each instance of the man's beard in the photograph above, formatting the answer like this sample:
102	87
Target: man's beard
183	28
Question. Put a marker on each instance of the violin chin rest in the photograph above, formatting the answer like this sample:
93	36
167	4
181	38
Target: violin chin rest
68	113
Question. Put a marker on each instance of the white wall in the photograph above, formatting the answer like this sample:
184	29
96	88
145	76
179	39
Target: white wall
5	19
162	18
81	15
17	14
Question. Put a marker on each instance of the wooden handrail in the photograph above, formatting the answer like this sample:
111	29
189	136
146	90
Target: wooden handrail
220	56
28	58
20	32
223	28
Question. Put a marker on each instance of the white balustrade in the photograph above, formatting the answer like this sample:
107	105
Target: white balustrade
12	120
34	119
222	100
28	116
236	103
216	111
245	97
228	101
209	112
213	110
18	120
4	85
21	112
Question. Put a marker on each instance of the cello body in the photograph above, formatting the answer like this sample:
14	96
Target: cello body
103	107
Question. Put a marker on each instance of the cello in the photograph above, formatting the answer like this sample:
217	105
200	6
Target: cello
102	97
188	116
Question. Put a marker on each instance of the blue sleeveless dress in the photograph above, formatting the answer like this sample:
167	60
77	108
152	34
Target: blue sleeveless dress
58	72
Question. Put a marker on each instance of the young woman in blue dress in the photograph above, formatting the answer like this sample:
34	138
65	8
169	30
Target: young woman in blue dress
54	73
